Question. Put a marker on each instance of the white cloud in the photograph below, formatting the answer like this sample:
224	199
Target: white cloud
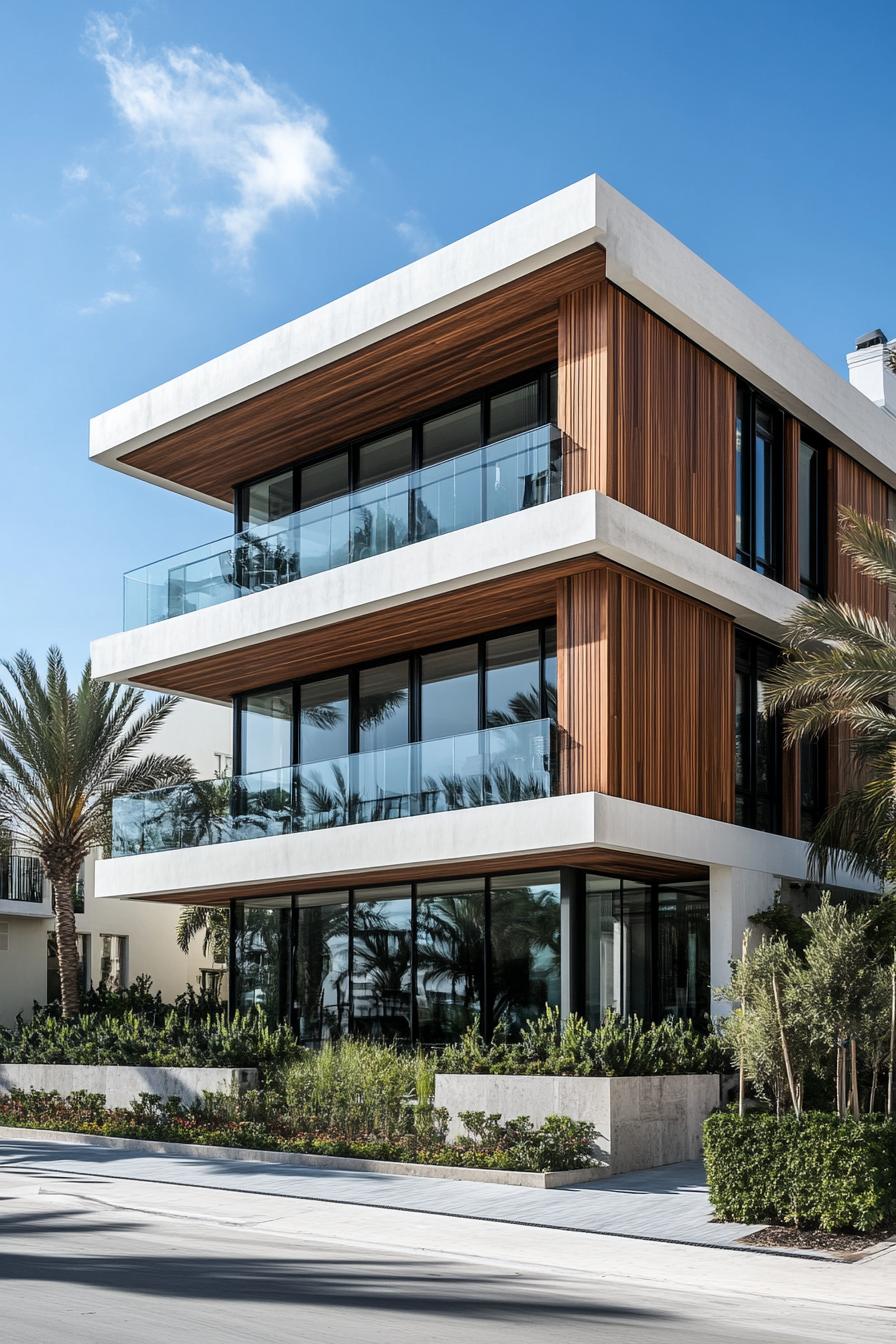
191	105
128	256
414	230
76	172
113	298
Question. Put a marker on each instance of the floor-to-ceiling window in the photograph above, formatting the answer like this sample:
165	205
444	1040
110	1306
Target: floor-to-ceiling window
450	957
455	726
411	961
758	481
757	740
811	515
646	949
260	955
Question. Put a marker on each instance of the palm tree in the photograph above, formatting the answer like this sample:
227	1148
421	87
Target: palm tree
840	673
64	755
212	921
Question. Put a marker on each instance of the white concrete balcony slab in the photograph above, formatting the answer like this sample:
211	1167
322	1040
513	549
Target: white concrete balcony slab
545	831
579	526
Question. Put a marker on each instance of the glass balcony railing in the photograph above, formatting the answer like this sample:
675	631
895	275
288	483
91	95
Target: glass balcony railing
505	764
500	478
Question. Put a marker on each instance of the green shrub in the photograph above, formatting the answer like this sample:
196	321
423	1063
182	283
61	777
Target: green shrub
618	1047
818	1171
559	1144
178	1040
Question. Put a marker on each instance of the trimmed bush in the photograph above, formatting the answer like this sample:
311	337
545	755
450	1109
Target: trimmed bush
818	1171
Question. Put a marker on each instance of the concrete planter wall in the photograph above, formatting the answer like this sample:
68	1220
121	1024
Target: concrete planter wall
640	1122
121	1084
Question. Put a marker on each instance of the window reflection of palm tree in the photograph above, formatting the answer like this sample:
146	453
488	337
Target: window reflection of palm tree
381	970
450	933
526	938
322	971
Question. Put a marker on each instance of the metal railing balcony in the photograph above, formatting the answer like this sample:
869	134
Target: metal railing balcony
21	879
498	479
507	763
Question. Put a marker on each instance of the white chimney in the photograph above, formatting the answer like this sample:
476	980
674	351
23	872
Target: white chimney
871	372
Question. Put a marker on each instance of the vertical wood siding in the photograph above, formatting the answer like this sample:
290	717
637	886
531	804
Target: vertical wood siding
672	426
583	340
645	694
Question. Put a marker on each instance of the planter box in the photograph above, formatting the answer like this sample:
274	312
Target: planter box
121	1084
640	1122
535	1180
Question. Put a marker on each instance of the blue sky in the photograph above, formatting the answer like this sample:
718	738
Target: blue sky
181	176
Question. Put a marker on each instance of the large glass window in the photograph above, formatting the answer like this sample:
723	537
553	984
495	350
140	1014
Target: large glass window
383	703
320	981
757	739
266	730
381	964
646	949
450	957
513	678
261	956
449	692
813	783
451	435
811	517
759	481
514	411
265	501
525	947
682	953
324	719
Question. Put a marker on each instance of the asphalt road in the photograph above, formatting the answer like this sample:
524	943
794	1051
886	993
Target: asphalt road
72	1271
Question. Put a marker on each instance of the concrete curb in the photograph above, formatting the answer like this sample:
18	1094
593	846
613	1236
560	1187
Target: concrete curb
535	1180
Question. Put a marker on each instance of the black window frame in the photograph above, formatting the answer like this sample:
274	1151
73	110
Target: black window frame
543	373
752	659
414	657
749	401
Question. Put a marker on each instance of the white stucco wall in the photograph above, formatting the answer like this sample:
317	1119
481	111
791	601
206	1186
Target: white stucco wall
199	731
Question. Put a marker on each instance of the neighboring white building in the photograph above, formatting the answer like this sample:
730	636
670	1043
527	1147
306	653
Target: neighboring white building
119	940
517	524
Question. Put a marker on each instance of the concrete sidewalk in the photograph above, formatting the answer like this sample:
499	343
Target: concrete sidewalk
664	1204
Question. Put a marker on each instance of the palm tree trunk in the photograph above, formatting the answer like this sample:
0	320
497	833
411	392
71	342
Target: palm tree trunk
892	1059
63	880
854	1077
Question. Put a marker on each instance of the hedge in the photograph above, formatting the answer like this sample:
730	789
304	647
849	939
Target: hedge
818	1171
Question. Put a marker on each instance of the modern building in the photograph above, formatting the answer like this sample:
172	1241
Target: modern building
514	532
117	941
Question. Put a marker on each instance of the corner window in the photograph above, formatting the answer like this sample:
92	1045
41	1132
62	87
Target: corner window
758	482
813	784
811	516
757	740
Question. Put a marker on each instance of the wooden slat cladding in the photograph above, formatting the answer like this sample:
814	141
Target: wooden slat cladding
510	329
514	599
645	694
851	486
672	429
583	387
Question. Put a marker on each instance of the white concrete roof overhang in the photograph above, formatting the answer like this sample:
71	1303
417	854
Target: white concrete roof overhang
583	524
547	827
642	258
